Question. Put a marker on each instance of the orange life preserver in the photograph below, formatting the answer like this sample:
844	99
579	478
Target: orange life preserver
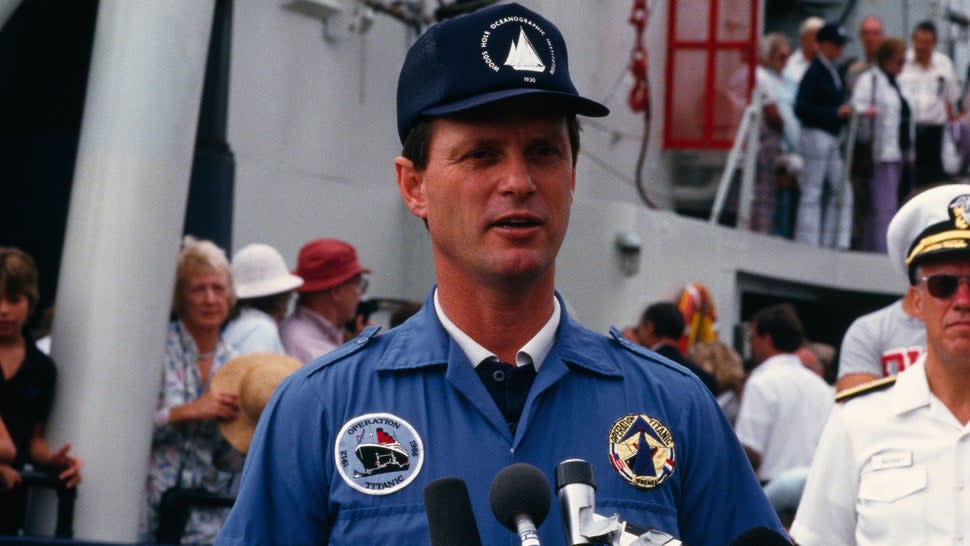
700	316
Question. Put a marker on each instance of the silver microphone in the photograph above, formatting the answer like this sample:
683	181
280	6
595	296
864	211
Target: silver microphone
576	488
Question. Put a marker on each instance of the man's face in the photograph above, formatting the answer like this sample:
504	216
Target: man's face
831	50
644	333
923	44
759	344
779	57
346	296
947	319
870	34
495	194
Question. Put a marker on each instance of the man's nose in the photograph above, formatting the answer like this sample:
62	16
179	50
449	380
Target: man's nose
516	176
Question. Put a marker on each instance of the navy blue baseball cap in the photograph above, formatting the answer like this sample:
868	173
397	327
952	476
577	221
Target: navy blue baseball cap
833	32
489	55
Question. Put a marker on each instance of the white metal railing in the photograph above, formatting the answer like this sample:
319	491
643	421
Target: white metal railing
748	132
744	155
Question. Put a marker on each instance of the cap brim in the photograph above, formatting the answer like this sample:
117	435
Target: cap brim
956	241
269	287
568	102
310	285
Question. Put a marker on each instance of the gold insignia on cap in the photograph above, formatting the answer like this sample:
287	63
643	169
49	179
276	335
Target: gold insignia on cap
944	237
959	211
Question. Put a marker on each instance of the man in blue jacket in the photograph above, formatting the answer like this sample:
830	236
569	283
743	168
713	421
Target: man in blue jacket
821	107
492	370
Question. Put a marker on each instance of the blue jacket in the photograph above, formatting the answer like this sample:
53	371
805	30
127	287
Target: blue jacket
818	99
345	447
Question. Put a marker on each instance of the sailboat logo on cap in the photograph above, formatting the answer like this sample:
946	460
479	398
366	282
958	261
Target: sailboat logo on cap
525	45
522	56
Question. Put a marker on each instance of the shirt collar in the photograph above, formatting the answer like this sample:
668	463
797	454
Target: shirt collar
533	352
778	360
912	390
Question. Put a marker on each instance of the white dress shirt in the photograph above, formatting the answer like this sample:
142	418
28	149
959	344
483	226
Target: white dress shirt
783	409
929	89
796	65
892	467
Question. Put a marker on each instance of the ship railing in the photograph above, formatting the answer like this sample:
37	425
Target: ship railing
744	156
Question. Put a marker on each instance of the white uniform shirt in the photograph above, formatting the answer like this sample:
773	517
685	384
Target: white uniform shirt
892	467
882	343
783	409
872	88
929	89
795	66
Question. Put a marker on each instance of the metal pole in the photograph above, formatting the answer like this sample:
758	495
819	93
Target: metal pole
750	167
734	156
127	207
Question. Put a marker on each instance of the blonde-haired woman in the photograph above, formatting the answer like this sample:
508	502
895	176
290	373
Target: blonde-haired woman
187	449
724	363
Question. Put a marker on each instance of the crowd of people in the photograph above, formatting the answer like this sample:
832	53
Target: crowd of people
221	311
491	369
907	104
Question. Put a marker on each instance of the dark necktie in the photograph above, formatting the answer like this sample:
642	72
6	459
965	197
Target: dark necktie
509	386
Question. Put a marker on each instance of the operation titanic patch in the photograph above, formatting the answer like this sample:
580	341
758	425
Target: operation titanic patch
642	450
378	453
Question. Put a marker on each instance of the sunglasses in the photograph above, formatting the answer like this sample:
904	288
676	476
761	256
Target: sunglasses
943	286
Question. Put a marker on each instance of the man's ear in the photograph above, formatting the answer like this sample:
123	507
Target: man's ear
916	297
410	182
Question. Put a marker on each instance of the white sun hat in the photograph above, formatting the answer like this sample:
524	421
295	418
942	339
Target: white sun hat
259	270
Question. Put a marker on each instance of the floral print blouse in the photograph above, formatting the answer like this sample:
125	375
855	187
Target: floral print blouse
195	450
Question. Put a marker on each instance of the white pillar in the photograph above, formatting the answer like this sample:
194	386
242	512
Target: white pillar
7	8
127	208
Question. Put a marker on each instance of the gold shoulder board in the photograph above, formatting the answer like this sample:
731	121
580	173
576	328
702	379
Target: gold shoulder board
865	388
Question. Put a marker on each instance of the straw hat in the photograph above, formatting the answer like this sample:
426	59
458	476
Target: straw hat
253	378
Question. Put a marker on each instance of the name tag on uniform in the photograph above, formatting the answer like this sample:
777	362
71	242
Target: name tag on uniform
891	459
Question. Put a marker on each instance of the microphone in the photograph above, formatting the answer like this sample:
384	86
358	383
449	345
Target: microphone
520	500
583	526
451	521
760	536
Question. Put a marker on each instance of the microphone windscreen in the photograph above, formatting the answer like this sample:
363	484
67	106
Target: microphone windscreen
760	536
519	489
451	521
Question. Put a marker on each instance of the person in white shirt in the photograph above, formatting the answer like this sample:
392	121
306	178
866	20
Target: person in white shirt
778	123
929	81
784	404
807	47
890	467
890	123
264	288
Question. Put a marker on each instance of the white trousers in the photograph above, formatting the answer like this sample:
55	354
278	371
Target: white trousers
817	222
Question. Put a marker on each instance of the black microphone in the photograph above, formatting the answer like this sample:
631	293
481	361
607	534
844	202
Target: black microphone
760	536
520	500
451	521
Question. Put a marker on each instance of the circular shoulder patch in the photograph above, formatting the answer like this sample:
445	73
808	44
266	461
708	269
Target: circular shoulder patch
642	450
378	453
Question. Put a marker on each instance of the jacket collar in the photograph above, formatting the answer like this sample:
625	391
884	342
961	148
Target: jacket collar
423	342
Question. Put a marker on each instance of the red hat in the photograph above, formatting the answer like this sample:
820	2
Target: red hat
325	263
